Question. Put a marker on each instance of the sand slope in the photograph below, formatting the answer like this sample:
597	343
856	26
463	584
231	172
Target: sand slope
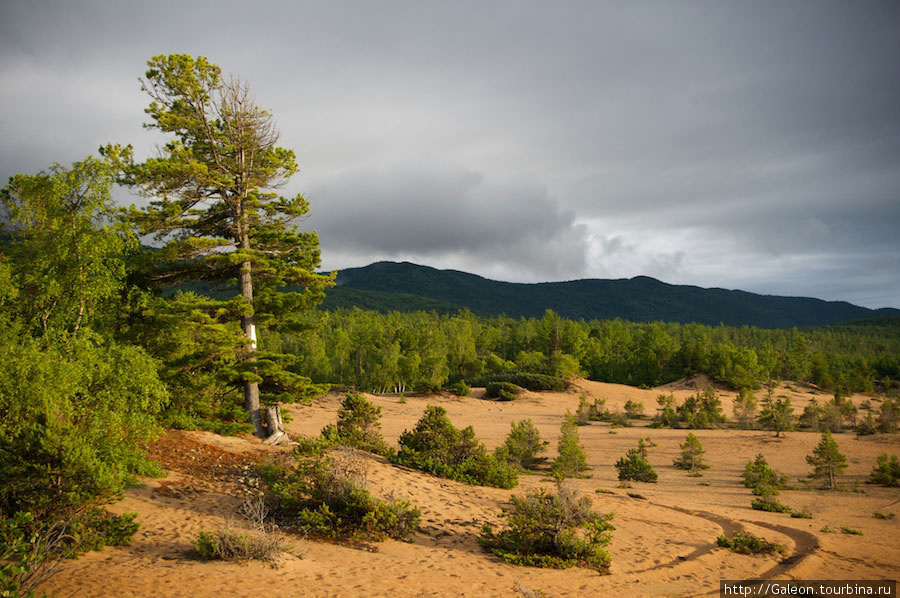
663	545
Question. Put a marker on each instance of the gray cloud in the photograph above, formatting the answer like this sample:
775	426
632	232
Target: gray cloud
417	209
751	145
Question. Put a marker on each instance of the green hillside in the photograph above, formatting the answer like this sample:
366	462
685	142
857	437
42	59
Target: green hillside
391	286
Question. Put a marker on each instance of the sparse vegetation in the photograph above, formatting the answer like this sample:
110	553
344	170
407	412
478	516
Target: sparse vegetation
803	513
703	410
884	516
747	543
851	531
556	530
634	409
886	471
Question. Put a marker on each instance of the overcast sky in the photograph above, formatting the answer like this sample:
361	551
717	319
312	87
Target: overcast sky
751	145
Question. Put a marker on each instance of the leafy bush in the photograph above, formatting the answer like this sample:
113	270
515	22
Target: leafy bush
747	543
886	471
522	445
803	513
437	447
571	459
634	409
504	391
358	426
769	504
552	530
527	380
851	530
326	496
703	410
584	411
635	467
461	389
758	474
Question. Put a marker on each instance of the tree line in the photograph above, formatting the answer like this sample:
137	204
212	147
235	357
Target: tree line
422	351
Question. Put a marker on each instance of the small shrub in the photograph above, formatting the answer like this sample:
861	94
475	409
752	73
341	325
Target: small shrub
461	389
571	460
691	458
522	445
635	467
552	530
851	531
436	446
636	495
358	427
803	513
886	471
758	474
634	409
747	543
502	391
827	530
603	491
583	414
327	496
230	544
885	516
527	380
769	504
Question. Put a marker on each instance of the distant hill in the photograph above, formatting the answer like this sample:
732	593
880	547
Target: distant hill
391	286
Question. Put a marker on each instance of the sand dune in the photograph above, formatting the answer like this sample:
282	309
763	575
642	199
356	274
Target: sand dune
662	546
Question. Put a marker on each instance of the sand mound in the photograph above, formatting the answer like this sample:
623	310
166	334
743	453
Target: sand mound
692	382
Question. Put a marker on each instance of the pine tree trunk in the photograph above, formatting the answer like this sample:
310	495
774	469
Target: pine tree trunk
251	388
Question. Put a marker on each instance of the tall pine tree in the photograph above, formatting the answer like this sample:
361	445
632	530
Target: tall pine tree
215	211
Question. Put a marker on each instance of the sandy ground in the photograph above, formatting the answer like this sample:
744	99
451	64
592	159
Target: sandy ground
664	544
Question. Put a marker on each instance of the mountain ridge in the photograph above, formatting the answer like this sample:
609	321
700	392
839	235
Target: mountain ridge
404	286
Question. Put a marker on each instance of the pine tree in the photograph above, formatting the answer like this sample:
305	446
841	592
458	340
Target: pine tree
777	415
571	460
214	208
691	454
827	461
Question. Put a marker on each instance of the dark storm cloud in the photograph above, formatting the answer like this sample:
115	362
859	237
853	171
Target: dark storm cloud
752	145
413	208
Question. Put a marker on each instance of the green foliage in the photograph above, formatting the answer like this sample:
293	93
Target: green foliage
776	415
747	543
634	466
884	516
527	380
691	458
584	411
437	447
769	504
74	410
504	391
827	461
758	474
634	409
744	408
571	459
522	446
552	530
851	530
461	389
67	253
326	496
703	410
886	471
803	513
358	426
